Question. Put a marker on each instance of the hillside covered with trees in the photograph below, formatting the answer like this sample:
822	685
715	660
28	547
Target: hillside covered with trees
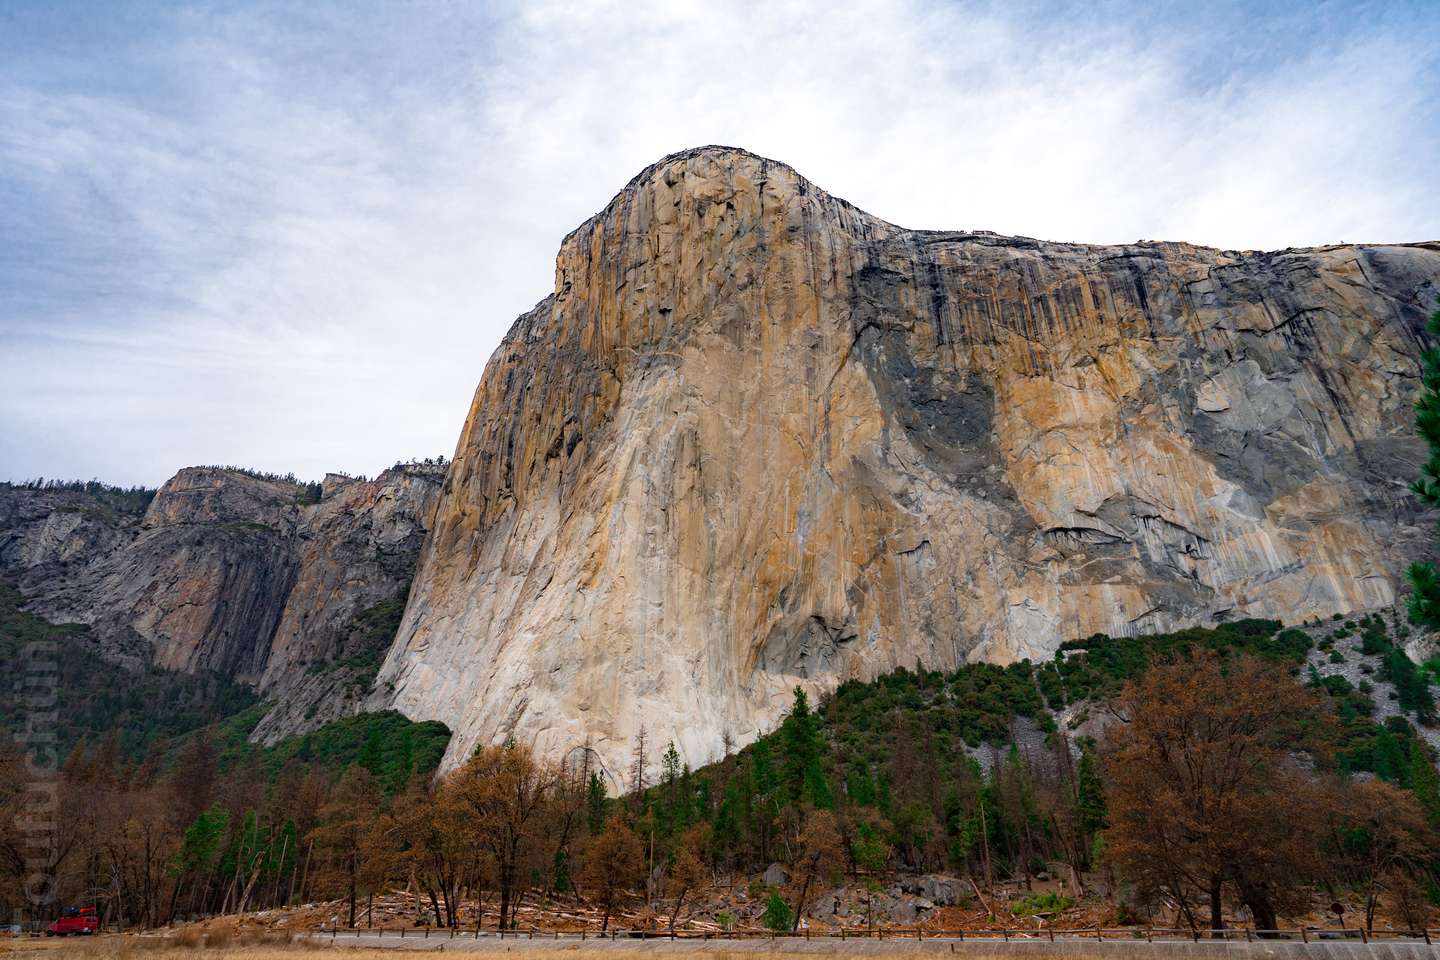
1145	771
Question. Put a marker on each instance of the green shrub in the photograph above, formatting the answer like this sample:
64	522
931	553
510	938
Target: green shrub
1041	903
777	914
1430	670
1374	644
1412	689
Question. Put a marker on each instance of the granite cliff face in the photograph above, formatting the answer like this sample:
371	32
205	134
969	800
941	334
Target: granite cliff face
231	572
759	438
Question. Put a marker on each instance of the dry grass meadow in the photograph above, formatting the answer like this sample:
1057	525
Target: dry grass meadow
257	948
257	945
269	946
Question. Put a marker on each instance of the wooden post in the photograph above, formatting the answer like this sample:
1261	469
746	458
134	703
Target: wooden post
1304	935
1364	937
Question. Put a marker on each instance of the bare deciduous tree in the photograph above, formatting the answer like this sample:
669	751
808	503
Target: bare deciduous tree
501	793
1199	764
614	862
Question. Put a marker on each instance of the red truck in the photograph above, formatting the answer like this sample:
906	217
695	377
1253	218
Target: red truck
80	920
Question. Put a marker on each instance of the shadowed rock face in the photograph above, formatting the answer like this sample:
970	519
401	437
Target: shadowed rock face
758	438
226	572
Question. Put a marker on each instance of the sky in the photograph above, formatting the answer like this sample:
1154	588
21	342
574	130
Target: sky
288	236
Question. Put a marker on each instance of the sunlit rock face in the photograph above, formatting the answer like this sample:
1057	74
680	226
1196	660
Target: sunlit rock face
759	438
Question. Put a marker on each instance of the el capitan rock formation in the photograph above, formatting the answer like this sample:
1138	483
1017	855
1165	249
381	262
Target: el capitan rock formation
757	437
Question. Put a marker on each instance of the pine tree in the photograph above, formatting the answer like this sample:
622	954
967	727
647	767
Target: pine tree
869	849
370	753
1425	782
762	771
595	802
817	786
399	775
725	831
286	849
777	914
670	765
1425	601
670	776
1411	687
638	766
762	799
860	786
685	815
800	737
1387	757
199	854
192	785
1090	792
560	871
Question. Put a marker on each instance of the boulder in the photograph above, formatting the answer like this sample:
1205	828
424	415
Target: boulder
942	890
776	875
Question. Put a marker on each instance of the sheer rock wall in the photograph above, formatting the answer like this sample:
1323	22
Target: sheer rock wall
759	438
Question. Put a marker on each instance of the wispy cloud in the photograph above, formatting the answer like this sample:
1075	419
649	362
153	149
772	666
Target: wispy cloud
290	236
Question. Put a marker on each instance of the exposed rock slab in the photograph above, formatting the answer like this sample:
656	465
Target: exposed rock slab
227	571
758	438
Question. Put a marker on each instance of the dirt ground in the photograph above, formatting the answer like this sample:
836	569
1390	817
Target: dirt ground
125	947
254	947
